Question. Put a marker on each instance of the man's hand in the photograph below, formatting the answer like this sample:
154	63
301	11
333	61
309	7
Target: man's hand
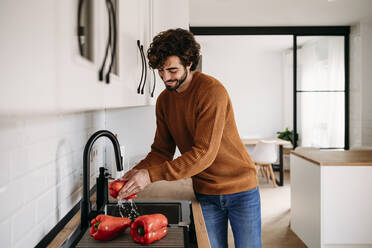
137	180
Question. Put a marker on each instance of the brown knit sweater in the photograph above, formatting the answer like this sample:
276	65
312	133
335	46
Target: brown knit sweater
200	121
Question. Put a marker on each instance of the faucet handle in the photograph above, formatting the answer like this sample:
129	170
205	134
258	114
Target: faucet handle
107	173
103	173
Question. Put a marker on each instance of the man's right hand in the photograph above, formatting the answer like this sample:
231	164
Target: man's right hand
136	180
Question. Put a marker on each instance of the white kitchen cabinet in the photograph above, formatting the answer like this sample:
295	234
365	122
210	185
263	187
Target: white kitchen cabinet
132	26
141	20
28	57
78	87
43	72
88	92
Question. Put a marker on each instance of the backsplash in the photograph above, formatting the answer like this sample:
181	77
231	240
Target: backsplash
135	129
41	159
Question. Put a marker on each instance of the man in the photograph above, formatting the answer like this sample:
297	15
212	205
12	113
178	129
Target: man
195	114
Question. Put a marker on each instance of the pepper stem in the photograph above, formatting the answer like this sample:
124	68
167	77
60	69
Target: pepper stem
96	225
140	231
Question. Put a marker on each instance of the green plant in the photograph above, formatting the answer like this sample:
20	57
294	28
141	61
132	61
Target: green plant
286	135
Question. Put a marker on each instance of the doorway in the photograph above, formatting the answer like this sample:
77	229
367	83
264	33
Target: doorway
317	66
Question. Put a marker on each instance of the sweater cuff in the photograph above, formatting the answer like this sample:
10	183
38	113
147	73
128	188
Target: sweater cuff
156	173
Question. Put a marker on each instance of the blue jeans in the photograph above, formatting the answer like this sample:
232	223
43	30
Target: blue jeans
244	212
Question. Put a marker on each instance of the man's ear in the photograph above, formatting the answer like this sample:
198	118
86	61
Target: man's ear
189	66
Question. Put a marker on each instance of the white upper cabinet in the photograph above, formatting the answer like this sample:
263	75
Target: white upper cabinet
122	90
27	57
42	67
78	87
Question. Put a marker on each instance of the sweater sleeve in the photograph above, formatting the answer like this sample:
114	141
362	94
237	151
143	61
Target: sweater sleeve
211	117
163	147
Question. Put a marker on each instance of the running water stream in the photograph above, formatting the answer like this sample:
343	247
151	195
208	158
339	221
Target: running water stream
128	209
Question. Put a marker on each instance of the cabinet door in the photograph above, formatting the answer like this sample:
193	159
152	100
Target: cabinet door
166	14
122	90
78	87
28	55
134	24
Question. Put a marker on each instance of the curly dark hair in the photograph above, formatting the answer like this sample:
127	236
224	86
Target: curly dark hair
174	42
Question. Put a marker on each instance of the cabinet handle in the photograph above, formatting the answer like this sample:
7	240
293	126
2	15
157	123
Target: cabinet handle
100	74
112	16
153	87
143	67
144	62
80	29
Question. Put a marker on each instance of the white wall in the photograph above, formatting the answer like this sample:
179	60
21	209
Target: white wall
41	161
355	87
361	85
250	67
366	39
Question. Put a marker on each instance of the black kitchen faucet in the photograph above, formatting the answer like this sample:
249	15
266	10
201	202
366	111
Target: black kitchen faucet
86	210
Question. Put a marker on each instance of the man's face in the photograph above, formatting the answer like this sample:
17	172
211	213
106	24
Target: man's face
173	73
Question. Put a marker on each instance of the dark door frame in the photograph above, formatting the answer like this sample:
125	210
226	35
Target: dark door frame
295	31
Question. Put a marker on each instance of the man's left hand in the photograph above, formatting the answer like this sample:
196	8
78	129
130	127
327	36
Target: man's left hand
137	180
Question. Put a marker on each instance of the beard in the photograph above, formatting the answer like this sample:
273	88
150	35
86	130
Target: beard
178	82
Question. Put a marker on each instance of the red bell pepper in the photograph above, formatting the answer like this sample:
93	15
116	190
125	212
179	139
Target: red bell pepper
147	229
116	186
106	227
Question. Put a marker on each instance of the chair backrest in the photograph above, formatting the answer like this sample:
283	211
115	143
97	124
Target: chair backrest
265	152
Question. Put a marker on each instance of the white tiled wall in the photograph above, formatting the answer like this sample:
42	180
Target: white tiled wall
135	129
41	161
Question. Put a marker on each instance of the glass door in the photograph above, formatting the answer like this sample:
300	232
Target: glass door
320	91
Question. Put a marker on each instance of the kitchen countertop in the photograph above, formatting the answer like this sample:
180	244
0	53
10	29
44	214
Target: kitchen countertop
158	191
336	158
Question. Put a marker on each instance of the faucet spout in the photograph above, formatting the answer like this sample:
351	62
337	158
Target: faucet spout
85	202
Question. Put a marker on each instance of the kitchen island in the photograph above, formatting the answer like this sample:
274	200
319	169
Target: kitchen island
330	198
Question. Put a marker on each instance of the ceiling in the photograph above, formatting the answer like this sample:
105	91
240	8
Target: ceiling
279	12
